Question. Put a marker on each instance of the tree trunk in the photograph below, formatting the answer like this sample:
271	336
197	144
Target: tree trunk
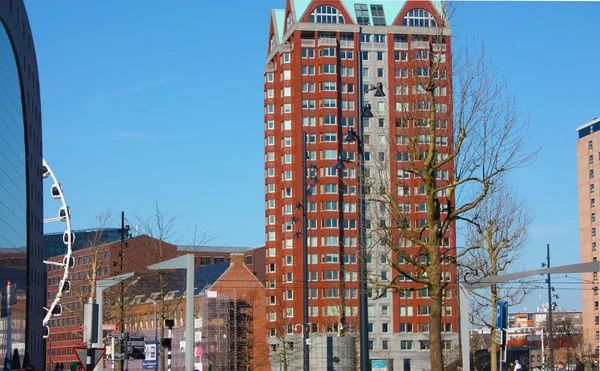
435	326
494	350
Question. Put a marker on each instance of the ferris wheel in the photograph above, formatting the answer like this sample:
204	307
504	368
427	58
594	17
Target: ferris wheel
64	215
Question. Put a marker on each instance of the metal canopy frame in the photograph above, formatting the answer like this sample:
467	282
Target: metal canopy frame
466	287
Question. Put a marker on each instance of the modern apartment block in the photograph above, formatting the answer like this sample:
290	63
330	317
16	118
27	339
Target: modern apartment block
588	171
323	57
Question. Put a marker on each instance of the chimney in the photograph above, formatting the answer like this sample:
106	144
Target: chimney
237	258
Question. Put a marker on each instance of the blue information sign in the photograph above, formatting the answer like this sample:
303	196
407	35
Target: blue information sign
501	314
152	355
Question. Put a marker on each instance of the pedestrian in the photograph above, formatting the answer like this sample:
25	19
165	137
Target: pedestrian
579	365
561	366
517	365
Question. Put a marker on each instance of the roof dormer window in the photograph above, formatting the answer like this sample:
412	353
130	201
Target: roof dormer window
326	14
419	18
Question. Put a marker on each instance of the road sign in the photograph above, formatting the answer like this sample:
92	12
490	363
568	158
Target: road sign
152	355
137	338
499	334
501	314
110	326
81	353
136	343
119	336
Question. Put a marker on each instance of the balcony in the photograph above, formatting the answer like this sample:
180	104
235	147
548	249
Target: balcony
346	44
373	46
439	47
307	42
419	45
324	41
401	46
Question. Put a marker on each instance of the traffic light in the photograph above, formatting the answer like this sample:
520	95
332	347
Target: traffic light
165	342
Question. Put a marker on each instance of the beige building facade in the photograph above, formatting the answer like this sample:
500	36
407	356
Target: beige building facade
588	176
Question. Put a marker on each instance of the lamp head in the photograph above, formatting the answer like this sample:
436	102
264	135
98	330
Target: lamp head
367	111
379	90
351	136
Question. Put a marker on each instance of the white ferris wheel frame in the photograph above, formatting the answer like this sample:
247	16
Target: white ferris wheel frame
66	263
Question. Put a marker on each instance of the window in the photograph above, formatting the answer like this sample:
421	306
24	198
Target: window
308	53
308	70
362	14
328	52
378	15
329	103
421	54
419	18
593	217
328	69
346	71
591	173
379	38
346	54
308	87
590	145
308	103
329	86
379	72
326	14
406	344
330	137
380	56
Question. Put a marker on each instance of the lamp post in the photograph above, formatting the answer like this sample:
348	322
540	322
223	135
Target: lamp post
100	286
305	254
364	112
302	206
185	262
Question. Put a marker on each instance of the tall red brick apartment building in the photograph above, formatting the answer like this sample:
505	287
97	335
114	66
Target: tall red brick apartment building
312	86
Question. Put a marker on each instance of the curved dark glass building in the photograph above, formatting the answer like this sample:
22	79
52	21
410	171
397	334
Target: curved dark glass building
21	217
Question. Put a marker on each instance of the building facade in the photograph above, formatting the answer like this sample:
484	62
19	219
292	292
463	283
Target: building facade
103	261
323	59
588	158
21	216
54	244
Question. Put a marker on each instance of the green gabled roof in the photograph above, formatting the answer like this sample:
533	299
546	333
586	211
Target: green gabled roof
391	8
279	23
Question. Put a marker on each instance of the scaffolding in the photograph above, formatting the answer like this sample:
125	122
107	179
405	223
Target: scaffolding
226	332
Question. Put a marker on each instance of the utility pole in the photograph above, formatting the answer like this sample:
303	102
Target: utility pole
121	286
550	346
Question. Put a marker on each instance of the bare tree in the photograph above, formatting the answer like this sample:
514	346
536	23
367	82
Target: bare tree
161	226
284	348
449	154
499	229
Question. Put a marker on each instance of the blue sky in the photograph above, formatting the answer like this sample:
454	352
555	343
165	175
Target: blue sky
155	101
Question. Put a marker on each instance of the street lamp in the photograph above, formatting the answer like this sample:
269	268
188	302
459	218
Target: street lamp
303	206
184	262
364	112
100	286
